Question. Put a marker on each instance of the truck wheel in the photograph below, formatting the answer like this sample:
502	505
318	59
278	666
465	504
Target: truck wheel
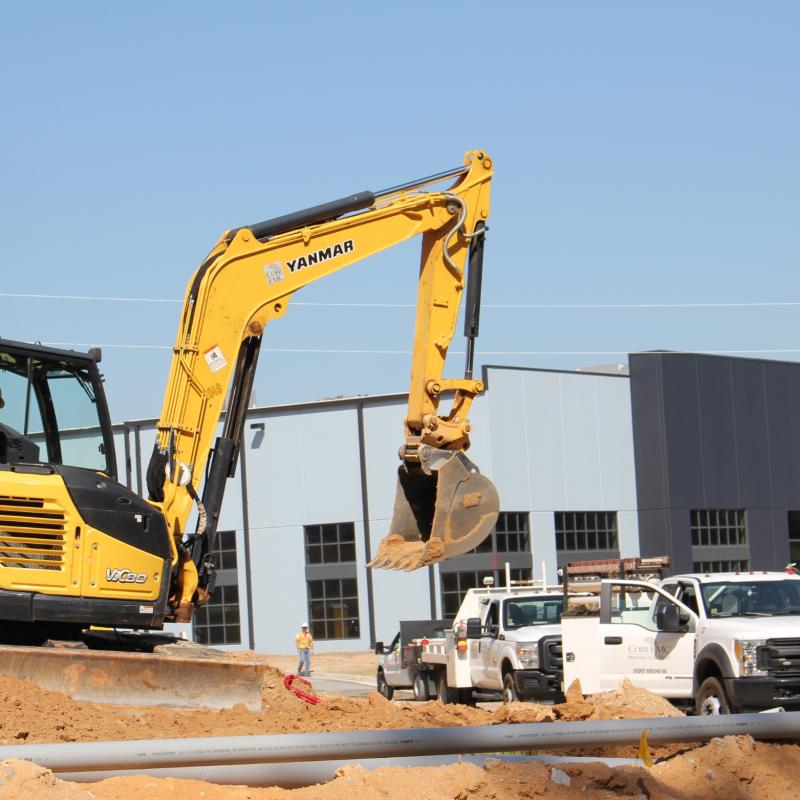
509	689
711	699
446	694
383	687
421	688
466	697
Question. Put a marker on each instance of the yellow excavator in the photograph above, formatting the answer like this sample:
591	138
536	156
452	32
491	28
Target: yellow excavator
78	549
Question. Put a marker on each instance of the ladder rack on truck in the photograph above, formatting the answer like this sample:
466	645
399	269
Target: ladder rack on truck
585	576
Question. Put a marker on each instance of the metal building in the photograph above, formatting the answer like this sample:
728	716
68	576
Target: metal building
683	458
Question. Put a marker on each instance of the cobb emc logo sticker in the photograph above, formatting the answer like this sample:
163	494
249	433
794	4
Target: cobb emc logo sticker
323	254
273	273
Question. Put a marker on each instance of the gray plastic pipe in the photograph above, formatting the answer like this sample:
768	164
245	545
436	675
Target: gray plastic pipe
297	775
275	748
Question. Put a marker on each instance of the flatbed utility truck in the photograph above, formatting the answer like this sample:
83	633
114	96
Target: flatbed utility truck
505	641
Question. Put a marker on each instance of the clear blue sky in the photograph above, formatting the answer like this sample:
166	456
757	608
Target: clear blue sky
645	153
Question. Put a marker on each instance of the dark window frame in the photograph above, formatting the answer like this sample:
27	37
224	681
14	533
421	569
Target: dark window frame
219	621
324	595
330	543
586	531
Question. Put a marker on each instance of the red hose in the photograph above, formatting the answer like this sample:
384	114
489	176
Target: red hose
289	681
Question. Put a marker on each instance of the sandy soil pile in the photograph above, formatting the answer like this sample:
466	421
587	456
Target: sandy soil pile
731	768
33	715
734	768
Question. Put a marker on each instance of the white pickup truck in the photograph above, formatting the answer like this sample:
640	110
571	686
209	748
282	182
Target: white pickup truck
399	664
718	642
503	641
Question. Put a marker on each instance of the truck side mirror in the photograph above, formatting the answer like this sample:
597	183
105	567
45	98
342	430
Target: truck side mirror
378	648
668	618
474	628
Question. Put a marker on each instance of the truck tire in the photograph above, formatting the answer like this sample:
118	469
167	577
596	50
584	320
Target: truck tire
421	688
466	697
446	694
383	687
509	689
711	698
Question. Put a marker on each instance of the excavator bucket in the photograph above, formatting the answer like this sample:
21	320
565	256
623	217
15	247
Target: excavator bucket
179	676
443	508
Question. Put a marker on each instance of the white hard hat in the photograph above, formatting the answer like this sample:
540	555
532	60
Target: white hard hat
304	625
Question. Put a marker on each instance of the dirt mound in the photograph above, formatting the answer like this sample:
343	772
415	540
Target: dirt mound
32	714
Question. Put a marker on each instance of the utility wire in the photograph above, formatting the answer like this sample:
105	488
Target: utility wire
325	351
522	306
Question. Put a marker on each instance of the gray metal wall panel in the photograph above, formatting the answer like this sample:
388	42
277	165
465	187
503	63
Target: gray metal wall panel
615	452
649	442
732	438
508	405
655	533
782	386
562	441
717	435
682	424
752	434
583	483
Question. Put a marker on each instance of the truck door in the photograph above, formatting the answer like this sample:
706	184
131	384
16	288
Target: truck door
631	645
484	664
392	664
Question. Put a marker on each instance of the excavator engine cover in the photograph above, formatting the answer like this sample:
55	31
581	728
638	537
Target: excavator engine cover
443	508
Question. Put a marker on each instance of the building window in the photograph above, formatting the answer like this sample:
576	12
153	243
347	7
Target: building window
331	585
334	543
719	540
519	574
218	621
512	534
454	587
742	565
794	536
586	530
333	608
719	527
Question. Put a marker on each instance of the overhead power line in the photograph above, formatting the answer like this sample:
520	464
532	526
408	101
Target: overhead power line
505	306
332	351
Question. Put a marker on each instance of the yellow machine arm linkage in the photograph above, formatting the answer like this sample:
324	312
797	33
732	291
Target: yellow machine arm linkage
444	507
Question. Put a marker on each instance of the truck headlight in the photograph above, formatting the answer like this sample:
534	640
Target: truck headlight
746	652
528	654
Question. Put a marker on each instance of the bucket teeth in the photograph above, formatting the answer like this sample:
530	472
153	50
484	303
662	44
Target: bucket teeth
442	510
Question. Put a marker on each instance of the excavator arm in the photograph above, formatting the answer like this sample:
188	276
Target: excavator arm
444	506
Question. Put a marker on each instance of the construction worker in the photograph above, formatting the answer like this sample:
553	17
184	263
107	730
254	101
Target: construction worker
304	642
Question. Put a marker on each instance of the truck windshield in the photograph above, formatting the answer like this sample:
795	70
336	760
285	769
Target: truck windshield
49	412
518	612
754	599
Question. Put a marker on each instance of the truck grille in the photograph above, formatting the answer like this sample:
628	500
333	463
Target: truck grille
780	657
31	533
550	658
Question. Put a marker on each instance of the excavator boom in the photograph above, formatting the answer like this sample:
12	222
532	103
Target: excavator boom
444	506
